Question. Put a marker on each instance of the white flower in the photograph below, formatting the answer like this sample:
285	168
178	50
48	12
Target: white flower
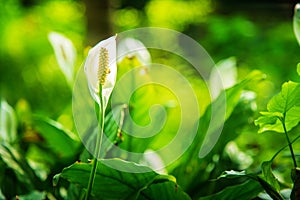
131	47
100	68
296	22
65	54
223	76
154	161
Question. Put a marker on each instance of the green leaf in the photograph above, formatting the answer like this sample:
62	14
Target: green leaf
269	176
8	121
238	120
265	185
57	138
269	189
33	195
164	190
226	100
247	190
282	108
10	157
113	135
206	143
269	121
113	184
298	69
19	177
1	195
286	99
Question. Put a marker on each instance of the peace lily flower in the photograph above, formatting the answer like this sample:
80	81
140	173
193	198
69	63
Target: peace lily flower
130	47
65	54
296	22
101	69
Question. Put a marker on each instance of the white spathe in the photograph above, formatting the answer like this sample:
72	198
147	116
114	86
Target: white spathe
129	47
154	161
65	54
91	70
223	76
296	22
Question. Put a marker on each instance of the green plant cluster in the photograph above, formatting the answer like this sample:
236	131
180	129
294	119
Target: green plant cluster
44	150
43	158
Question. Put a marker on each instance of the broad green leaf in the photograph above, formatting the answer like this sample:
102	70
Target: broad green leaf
269	121
249	177
292	117
113	184
75	192
112	133
298	69
247	190
296	22
56	137
8	123
269	176
282	108
164	190
286	99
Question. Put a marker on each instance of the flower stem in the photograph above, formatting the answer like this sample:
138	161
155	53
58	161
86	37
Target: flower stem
98	145
289	142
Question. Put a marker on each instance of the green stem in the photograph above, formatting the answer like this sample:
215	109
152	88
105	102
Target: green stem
98	145
289	142
276	154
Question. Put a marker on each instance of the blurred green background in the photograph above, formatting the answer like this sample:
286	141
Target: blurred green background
259	34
